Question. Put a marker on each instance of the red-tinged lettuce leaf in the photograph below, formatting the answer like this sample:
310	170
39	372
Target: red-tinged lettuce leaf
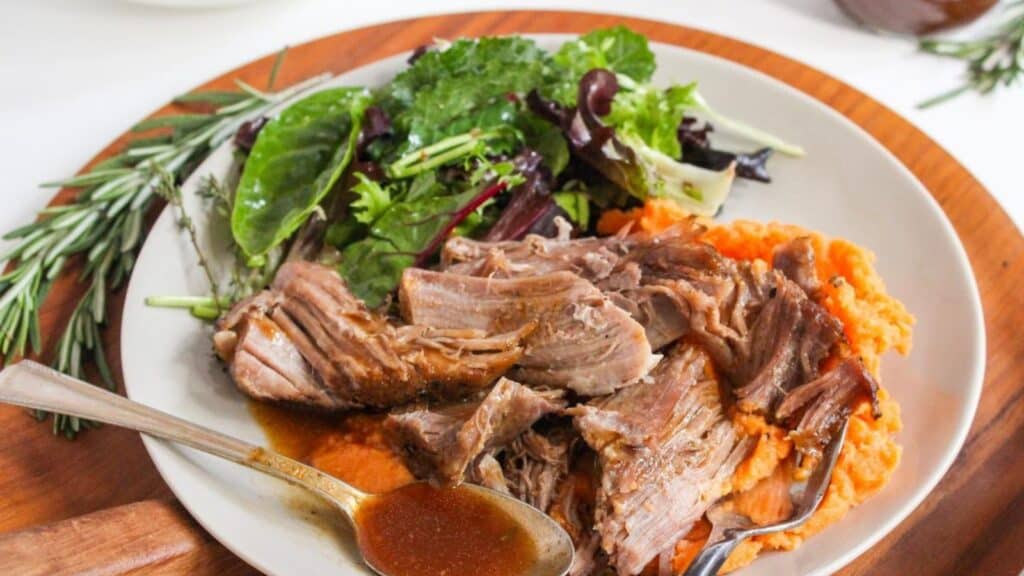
626	160
589	138
696	149
531	200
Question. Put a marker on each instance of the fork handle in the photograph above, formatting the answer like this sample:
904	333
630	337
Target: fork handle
712	557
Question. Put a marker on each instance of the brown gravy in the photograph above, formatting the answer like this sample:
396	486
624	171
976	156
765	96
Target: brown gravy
418	530
350	447
415	529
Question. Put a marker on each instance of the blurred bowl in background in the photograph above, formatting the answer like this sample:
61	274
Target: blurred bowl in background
192	3
915	17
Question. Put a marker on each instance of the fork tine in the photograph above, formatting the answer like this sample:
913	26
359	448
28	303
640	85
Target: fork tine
715	553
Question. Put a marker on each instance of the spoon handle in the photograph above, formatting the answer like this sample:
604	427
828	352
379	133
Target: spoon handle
33	385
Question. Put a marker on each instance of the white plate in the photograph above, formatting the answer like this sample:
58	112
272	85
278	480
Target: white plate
847	186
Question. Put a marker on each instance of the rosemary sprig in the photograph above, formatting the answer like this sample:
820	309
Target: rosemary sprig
102	228
993	61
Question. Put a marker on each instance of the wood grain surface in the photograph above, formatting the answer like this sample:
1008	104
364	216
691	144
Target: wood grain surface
973	523
149	537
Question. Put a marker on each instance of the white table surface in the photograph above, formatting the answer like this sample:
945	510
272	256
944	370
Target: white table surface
76	73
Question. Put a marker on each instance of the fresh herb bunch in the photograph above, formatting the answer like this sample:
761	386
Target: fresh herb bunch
102	228
993	61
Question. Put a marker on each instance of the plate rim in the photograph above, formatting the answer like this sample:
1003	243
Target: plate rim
977	312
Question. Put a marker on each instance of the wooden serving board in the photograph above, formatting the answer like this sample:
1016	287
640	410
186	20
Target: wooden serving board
973	523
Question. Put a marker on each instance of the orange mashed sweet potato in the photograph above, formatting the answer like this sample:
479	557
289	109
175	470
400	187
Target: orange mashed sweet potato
874	323
351	448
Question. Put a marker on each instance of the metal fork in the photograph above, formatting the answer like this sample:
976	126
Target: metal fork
714	554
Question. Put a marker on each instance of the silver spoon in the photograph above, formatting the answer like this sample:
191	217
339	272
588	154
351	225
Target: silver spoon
807	497
33	385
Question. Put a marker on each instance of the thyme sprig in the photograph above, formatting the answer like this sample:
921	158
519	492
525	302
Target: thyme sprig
992	61
171	193
102	228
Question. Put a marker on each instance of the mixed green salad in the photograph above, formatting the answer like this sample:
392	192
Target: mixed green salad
491	138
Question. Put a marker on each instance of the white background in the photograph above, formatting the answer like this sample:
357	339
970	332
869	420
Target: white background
76	73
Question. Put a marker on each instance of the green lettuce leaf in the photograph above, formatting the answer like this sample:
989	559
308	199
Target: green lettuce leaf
618	49
576	205
653	115
699	190
297	158
546	139
372	199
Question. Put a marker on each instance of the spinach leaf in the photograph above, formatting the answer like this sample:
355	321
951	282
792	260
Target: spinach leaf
617	49
423	186
297	158
373	266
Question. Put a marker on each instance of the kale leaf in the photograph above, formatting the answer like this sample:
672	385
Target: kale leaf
470	84
617	49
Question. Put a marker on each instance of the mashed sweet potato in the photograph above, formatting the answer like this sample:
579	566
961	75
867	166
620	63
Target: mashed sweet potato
874	323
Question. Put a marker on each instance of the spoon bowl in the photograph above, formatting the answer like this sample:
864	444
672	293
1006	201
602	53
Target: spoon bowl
32	385
554	547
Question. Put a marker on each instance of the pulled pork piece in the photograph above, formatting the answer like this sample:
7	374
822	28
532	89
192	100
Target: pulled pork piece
598	260
635	271
761	328
825	402
789	339
588	558
666	451
441	443
487	472
654	307
573	508
795	259
264	363
590	257
309	341
535	465
582	341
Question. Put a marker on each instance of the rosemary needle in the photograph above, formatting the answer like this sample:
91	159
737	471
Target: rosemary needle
993	61
102	228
